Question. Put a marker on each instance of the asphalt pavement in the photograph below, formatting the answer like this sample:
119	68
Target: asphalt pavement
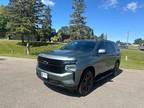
20	88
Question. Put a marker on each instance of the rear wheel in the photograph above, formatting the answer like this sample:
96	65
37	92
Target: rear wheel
116	69
86	83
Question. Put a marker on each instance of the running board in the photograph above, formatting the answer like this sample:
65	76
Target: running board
101	77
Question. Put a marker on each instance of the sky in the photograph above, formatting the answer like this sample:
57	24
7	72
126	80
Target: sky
114	17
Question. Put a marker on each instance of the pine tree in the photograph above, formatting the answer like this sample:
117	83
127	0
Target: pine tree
47	23
38	16
11	2
77	22
102	37
25	18
3	21
21	21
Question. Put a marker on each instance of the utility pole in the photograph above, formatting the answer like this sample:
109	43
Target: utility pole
106	36
127	38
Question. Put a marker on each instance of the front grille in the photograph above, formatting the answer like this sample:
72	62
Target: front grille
51	65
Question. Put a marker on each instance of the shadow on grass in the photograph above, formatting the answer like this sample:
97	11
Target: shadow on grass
37	44
100	80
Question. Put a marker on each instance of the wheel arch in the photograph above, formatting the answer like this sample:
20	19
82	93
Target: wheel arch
89	68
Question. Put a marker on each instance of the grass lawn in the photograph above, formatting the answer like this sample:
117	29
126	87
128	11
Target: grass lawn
135	59
11	48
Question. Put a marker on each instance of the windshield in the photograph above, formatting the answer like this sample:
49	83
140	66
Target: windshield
80	45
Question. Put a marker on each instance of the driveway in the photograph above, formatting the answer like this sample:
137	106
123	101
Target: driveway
20	88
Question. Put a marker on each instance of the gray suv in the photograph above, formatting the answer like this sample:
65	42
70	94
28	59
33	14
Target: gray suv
77	64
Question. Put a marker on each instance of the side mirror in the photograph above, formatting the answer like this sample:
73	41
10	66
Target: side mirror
101	51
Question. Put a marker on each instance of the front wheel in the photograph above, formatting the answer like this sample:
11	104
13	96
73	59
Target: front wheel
86	83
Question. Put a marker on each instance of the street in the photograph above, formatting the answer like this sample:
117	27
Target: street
20	88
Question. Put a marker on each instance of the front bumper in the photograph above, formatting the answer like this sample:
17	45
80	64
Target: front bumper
66	80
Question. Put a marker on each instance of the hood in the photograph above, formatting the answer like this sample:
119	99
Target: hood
65	54
68	53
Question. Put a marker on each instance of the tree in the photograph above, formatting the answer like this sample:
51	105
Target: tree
21	18
3	21
118	42
38	16
11	2
89	33
139	41
57	37
102	37
78	22
78	28
62	34
47	23
25	18
65	30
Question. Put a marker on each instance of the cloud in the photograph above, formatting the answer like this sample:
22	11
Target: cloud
110	4
113	2
132	6
48	2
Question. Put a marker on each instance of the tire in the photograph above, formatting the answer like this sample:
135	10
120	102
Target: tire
86	83
116	69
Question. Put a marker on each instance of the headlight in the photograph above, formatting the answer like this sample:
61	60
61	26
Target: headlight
70	68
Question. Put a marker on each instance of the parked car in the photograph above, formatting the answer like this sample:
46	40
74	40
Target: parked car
142	47
76	64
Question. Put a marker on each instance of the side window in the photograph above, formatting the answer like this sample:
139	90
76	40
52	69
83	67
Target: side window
101	45
117	49
110	48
